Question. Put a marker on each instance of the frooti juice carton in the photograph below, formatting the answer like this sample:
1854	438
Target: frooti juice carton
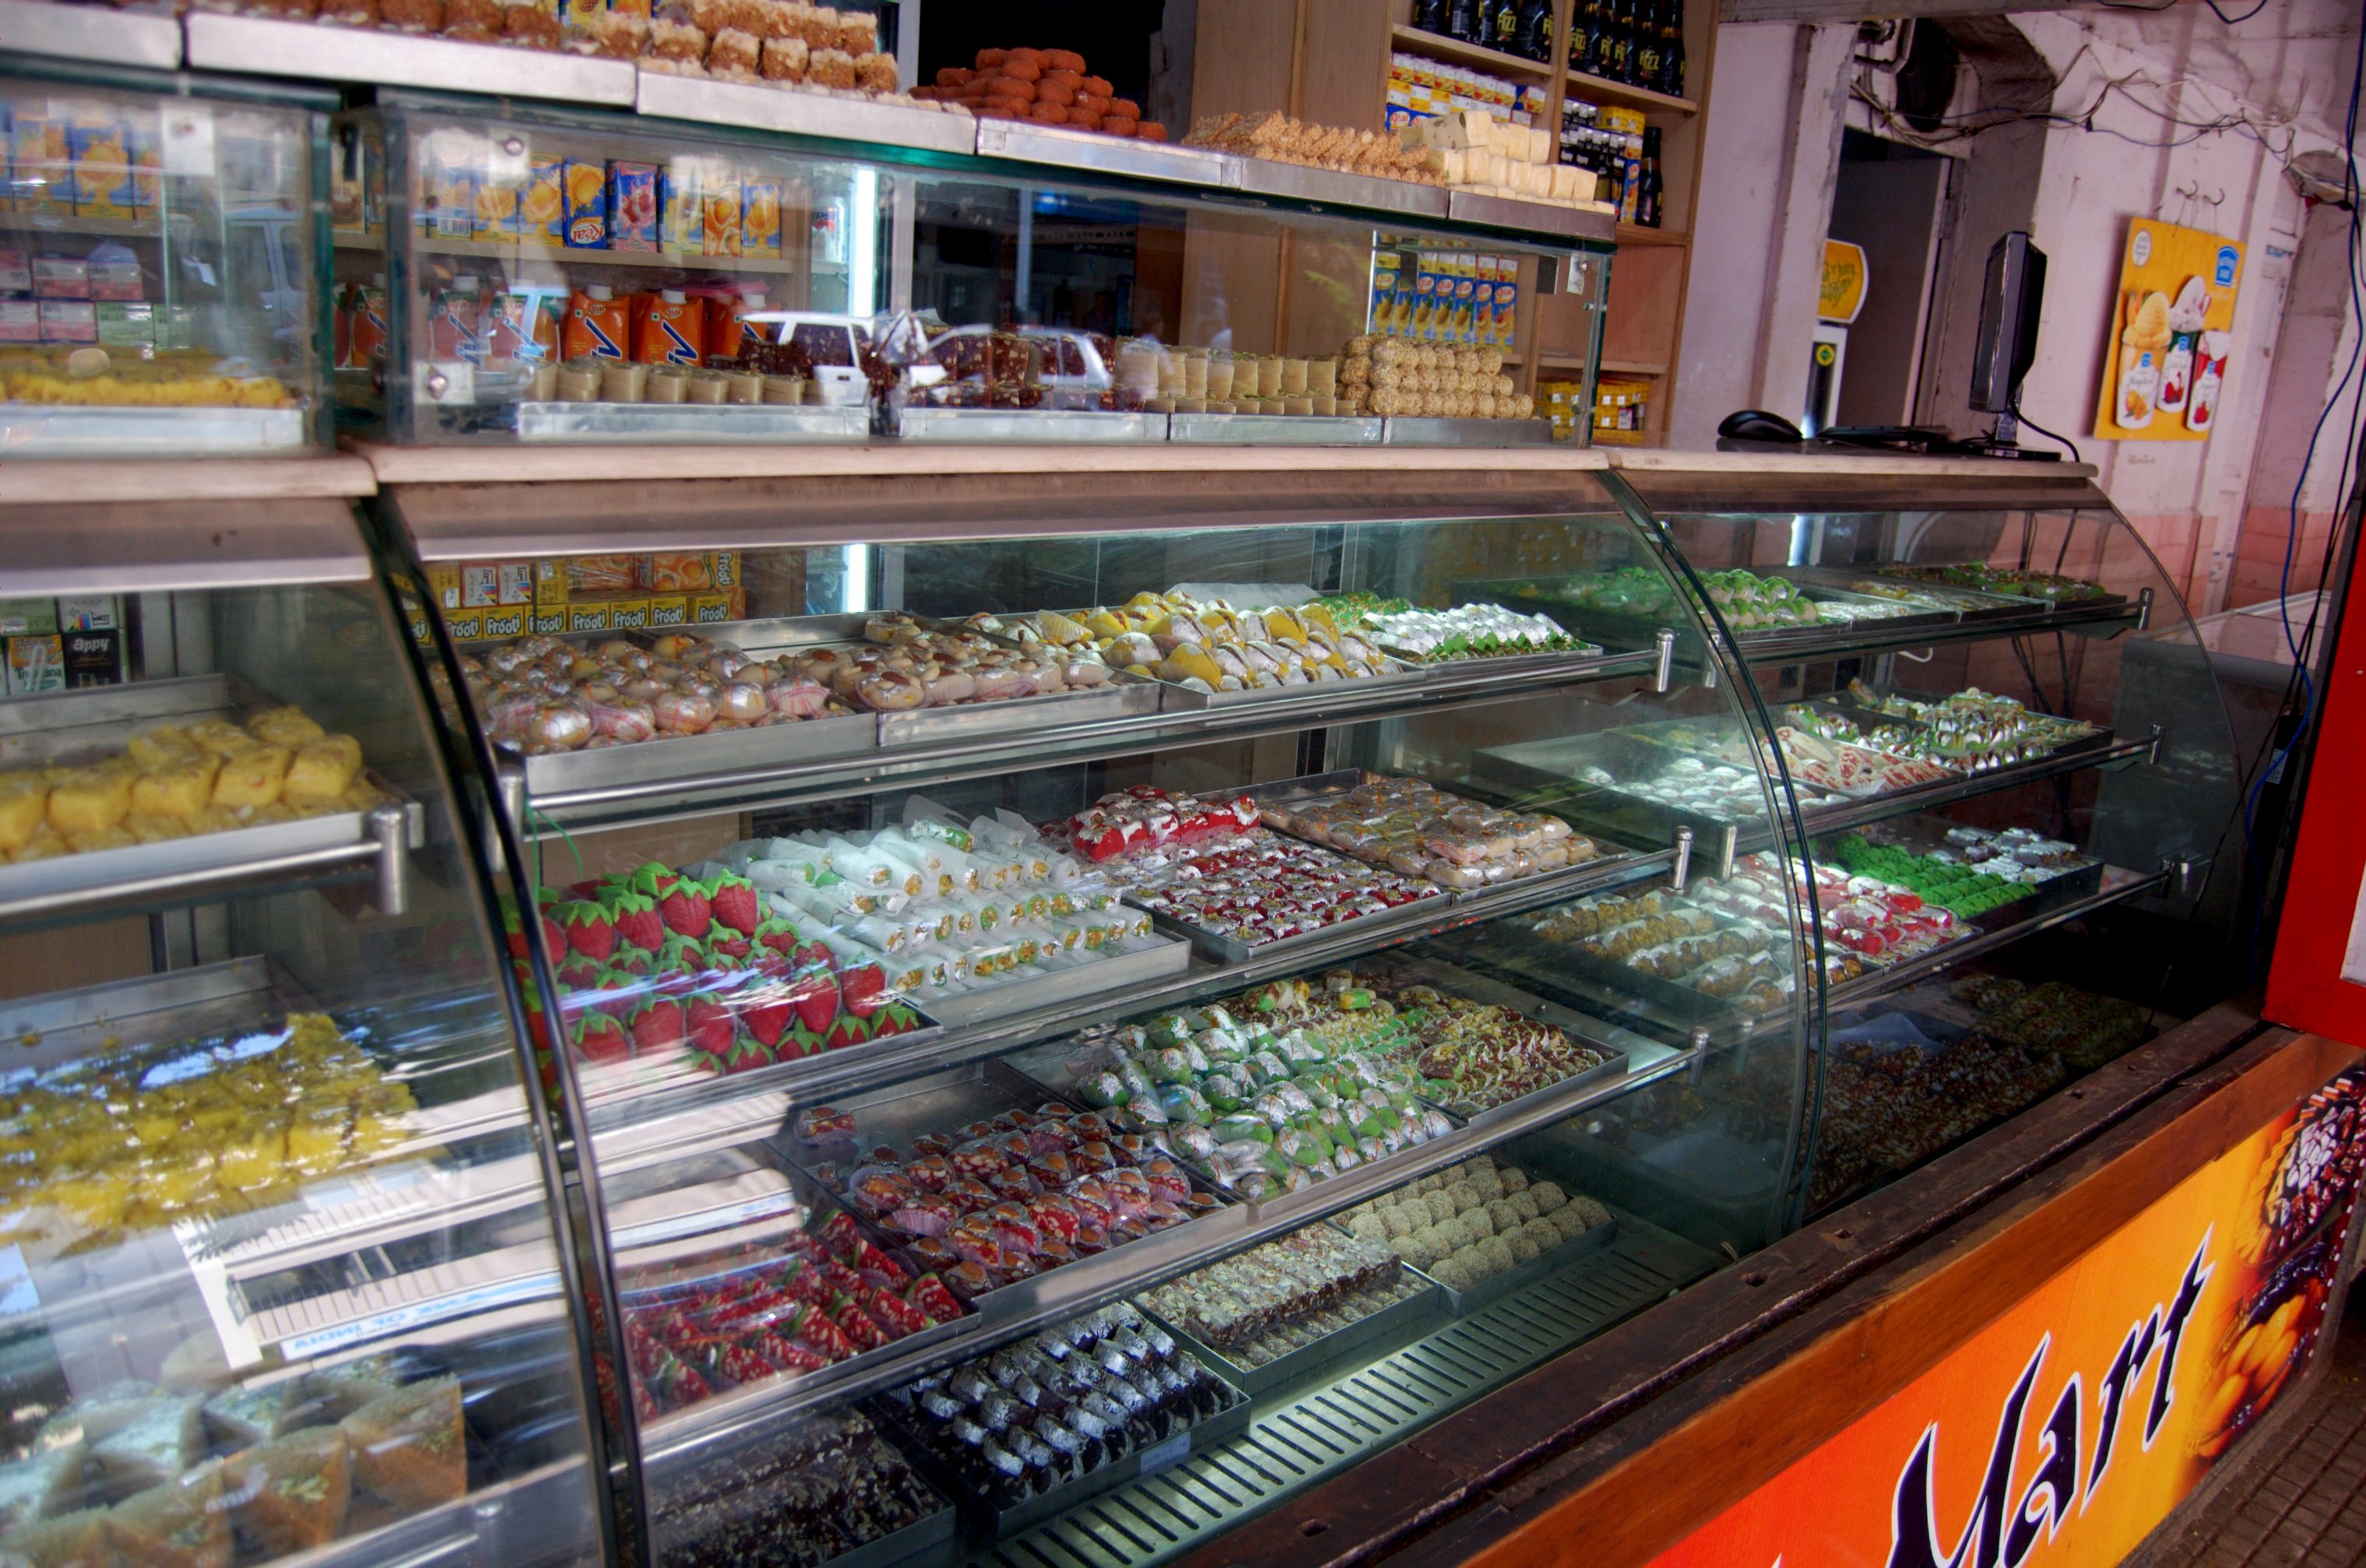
542	204
760	215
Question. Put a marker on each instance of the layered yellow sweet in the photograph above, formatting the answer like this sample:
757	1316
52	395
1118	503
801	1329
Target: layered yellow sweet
176	780
103	1152
93	378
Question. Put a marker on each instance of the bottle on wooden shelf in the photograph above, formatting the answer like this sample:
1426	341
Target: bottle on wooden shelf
1536	31
1672	51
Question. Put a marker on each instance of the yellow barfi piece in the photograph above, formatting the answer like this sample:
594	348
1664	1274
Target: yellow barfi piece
181	787
157	829
89	801
289	726
323	769
23	809
115	838
153	748
219	734
250	778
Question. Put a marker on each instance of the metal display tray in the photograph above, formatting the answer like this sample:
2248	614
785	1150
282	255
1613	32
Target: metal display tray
1139	967
1310	788
69	728
45	430
1920	835
727	1223
925	1539
1936	572
1220	948
939	1103
988	1524
1971	605
994	425
1124	695
1275	430
611	1083
1315	694
1373	1333
1868	719
1542	775
688	424
1520	1276
1477	987
1542	960
1400	431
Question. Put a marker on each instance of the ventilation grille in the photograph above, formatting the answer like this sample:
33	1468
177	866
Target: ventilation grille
1334	1423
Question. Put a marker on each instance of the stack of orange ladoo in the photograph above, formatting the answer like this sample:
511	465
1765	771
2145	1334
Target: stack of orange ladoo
1047	86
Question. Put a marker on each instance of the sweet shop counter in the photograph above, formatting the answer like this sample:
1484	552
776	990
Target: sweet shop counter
282	1279
1032	995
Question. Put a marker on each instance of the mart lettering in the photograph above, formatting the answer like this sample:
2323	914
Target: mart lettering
2006	1524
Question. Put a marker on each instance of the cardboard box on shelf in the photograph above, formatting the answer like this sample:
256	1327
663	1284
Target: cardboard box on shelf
546	620
28	617
480	584
628	614
718	609
505	620
99	614
464	625
444	584
516	581
36	663
668	610
586	617
93	657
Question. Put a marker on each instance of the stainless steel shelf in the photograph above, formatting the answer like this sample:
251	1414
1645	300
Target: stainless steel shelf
268	47
2119	884
718	1112
692	785
1082	1286
826	115
100	35
1844	814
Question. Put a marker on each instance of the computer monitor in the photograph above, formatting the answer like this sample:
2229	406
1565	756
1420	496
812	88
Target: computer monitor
2009	296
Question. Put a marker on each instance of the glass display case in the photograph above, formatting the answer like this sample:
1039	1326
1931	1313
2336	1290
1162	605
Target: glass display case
281	1277
1987	694
555	276
1005	940
161	269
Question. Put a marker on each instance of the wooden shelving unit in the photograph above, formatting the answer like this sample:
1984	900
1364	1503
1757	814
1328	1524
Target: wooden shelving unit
1327	61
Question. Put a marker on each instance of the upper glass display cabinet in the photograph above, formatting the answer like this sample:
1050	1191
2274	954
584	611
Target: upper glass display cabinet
1987	698
280	1276
162	266
955	929
577	279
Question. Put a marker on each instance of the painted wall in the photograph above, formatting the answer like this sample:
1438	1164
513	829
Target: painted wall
2213	510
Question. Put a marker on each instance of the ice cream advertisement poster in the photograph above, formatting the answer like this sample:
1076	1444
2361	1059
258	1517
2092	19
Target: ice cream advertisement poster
2172	328
2059	1435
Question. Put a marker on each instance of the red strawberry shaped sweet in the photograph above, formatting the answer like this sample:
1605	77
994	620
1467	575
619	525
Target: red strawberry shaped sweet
734	902
513	930
850	1029
655	1026
708	1026
896	1018
576	973
631	961
685	910
615	992
766	1013
746	1055
814	993
804	1042
544	897
779	936
588	929
727	947
600	1038
635	915
864	988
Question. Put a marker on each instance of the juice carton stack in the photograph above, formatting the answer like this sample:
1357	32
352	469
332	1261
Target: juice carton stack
554	595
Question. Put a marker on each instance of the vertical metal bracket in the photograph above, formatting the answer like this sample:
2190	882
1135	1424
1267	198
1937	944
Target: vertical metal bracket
390	827
1683	859
2143	609
1663	672
2152	753
2186	875
1698	1068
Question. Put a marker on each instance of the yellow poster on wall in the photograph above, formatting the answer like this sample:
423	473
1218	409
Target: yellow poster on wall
2172	327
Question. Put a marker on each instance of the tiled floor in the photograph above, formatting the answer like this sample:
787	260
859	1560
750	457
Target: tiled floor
2303	1501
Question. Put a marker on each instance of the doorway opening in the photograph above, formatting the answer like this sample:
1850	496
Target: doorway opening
1887	200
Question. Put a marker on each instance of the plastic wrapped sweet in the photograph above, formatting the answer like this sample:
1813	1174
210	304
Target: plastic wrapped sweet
1274	1298
795	1500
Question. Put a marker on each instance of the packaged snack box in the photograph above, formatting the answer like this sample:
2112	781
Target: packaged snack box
93	658
102	167
480	584
69	320
680	220
22	617
516	581
544	622
90	614
505	620
40	177
62	277
463	625
35	664
628	614
444	584
591	617
632	206
668	610
16	272
20	321
114	274
127	326
550	583
721	231
677	572
584	190
724	566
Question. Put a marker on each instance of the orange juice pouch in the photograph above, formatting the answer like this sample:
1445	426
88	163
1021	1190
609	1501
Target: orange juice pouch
632	206
542	204
760	217
597	326
667	328
720	233
369	325
522	326
583	219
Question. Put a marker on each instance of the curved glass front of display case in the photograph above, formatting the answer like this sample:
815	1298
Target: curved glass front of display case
554	279
158	254
280	1270
1999	722
1210	947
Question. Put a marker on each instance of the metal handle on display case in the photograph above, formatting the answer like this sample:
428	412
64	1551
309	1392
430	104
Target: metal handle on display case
1699	1067
509	781
2187	876
2144	608
1663	672
1683	859
2152	753
389	828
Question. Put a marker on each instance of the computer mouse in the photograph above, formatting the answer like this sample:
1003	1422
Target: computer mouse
1757	424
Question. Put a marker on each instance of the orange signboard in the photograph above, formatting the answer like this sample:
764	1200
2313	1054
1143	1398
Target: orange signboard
2066	1430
